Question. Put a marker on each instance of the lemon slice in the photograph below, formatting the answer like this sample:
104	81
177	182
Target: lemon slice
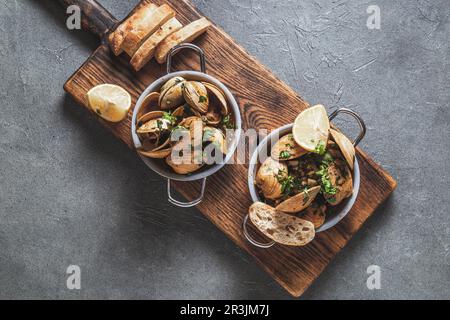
109	101
311	127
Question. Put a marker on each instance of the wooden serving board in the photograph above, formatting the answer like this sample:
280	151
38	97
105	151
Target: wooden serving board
262	99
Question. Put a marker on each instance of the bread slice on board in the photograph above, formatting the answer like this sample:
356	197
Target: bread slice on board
143	28
146	52
117	37
281	227
186	34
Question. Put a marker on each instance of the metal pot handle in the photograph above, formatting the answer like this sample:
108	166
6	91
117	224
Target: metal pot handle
356	116
201	55
250	238
182	204
182	46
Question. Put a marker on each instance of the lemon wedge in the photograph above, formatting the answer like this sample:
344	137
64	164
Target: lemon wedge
311	128
109	101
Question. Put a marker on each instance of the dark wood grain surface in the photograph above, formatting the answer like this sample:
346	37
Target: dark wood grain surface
262	99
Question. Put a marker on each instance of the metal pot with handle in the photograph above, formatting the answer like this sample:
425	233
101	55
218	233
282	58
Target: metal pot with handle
159	166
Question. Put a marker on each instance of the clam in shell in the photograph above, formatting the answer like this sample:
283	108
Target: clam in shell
172	96
196	96
316	214
346	147
216	137
149	104
217	95
152	122
267	178
172	82
184	163
299	202
287	149
341	178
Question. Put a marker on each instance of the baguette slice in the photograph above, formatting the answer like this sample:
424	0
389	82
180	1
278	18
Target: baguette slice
146	52
186	34
117	37
281	227
145	27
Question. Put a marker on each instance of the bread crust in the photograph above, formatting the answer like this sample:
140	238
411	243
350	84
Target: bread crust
186	34
146	52
117	37
281	227
144	27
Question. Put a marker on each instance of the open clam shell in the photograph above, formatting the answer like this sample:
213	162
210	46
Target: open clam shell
287	149
186	162
152	122
216	137
172	82
346	147
315	213
149	104
217	95
267	178
196	96
172	96
157	154
341	179
300	201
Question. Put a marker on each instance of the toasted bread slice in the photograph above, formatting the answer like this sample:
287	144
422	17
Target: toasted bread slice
146	52
281	227
186	34
150	22
117	37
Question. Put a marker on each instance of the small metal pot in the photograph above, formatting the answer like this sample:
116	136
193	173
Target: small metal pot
341	210
156	164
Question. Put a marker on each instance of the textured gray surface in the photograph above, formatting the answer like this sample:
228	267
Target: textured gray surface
71	194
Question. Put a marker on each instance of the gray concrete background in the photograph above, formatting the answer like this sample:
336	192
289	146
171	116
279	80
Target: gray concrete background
71	194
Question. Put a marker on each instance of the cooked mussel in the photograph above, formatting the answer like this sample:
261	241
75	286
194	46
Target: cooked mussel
286	149
300	201
196	96
268	178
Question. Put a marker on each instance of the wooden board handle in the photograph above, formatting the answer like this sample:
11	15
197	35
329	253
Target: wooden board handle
94	17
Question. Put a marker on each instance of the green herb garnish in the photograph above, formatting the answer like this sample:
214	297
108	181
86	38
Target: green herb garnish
320	148
284	154
169	117
227	122
202	99
325	182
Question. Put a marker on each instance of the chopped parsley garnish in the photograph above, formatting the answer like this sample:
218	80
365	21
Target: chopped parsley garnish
202	99
227	122
284	154
325	182
159	124
327	158
289	184
169	117
320	148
